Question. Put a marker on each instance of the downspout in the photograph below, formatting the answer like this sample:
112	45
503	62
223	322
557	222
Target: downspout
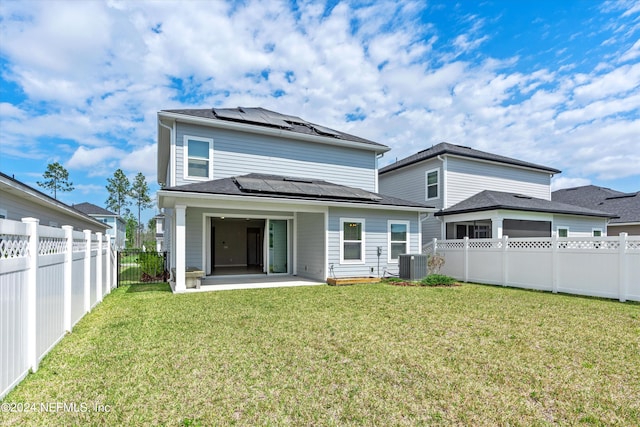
171	178
378	157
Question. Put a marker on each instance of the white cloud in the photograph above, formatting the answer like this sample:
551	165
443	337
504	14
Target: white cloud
94	72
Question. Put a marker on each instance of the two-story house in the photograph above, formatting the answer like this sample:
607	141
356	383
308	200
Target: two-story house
248	190
117	225
484	195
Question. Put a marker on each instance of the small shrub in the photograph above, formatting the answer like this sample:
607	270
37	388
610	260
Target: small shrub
438	280
151	263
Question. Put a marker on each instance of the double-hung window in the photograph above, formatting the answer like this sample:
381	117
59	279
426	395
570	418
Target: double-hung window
197	158
398	234
352	241
432	184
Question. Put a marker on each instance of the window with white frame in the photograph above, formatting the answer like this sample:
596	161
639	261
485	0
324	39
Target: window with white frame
398	233
3	213
432	184
563	232
597	232
352	241
197	157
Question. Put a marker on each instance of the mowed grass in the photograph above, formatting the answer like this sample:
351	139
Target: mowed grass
358	355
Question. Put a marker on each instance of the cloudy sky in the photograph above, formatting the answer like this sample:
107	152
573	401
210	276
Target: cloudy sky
550	82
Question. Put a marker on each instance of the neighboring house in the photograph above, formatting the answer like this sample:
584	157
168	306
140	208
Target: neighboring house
160	233
117	225
18	200
626	206
248	190
484	195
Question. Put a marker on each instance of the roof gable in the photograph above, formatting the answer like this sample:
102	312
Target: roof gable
491	200
458	150
91	209
625	205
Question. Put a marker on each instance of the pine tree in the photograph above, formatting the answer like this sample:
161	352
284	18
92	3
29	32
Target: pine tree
140	195
119	189
57	179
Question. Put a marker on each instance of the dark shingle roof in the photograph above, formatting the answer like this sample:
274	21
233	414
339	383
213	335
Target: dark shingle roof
490	200
624	205
272	119
91	209
459	150
337	193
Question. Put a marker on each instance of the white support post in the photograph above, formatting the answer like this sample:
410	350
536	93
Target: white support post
99	269
466	258
505	260
554	263
31	292
68	276
622	268
87	271
107	266
435	245
181	242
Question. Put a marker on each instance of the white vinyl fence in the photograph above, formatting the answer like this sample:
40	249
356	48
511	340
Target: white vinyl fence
606	267
49	278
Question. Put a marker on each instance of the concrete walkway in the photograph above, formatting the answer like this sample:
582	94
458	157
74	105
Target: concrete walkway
226	283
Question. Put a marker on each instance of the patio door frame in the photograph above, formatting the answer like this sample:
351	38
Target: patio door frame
206	241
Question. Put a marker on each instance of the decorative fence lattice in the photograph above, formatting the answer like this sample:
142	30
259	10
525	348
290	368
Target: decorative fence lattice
14	246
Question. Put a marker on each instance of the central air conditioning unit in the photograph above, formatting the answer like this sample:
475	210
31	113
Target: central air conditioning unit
413	266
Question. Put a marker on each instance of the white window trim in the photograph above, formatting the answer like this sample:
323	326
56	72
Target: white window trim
562	228
185	164
426	184
407	241
593	230
362	241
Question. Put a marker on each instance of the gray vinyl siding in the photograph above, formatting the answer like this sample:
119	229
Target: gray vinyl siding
238	153
311	246
410	182
194	235
431	229
375	235
18	207
468	177
578	226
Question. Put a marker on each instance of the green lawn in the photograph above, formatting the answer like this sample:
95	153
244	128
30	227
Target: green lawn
355	355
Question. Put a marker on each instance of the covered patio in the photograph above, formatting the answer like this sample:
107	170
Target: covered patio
227	283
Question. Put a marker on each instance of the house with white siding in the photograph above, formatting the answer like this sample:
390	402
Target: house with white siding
484	195
249	191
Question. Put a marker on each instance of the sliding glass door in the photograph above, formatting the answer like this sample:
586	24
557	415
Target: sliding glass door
278	246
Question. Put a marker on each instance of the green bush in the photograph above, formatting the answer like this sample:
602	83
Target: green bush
438	280
151	263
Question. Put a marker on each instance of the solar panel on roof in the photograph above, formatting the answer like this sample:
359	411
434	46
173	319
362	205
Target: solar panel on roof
250	116
324	130
298	188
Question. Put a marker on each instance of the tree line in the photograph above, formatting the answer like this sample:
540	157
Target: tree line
122	194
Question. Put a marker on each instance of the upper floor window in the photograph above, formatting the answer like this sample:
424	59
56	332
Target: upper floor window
433	180
398	233
197	157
